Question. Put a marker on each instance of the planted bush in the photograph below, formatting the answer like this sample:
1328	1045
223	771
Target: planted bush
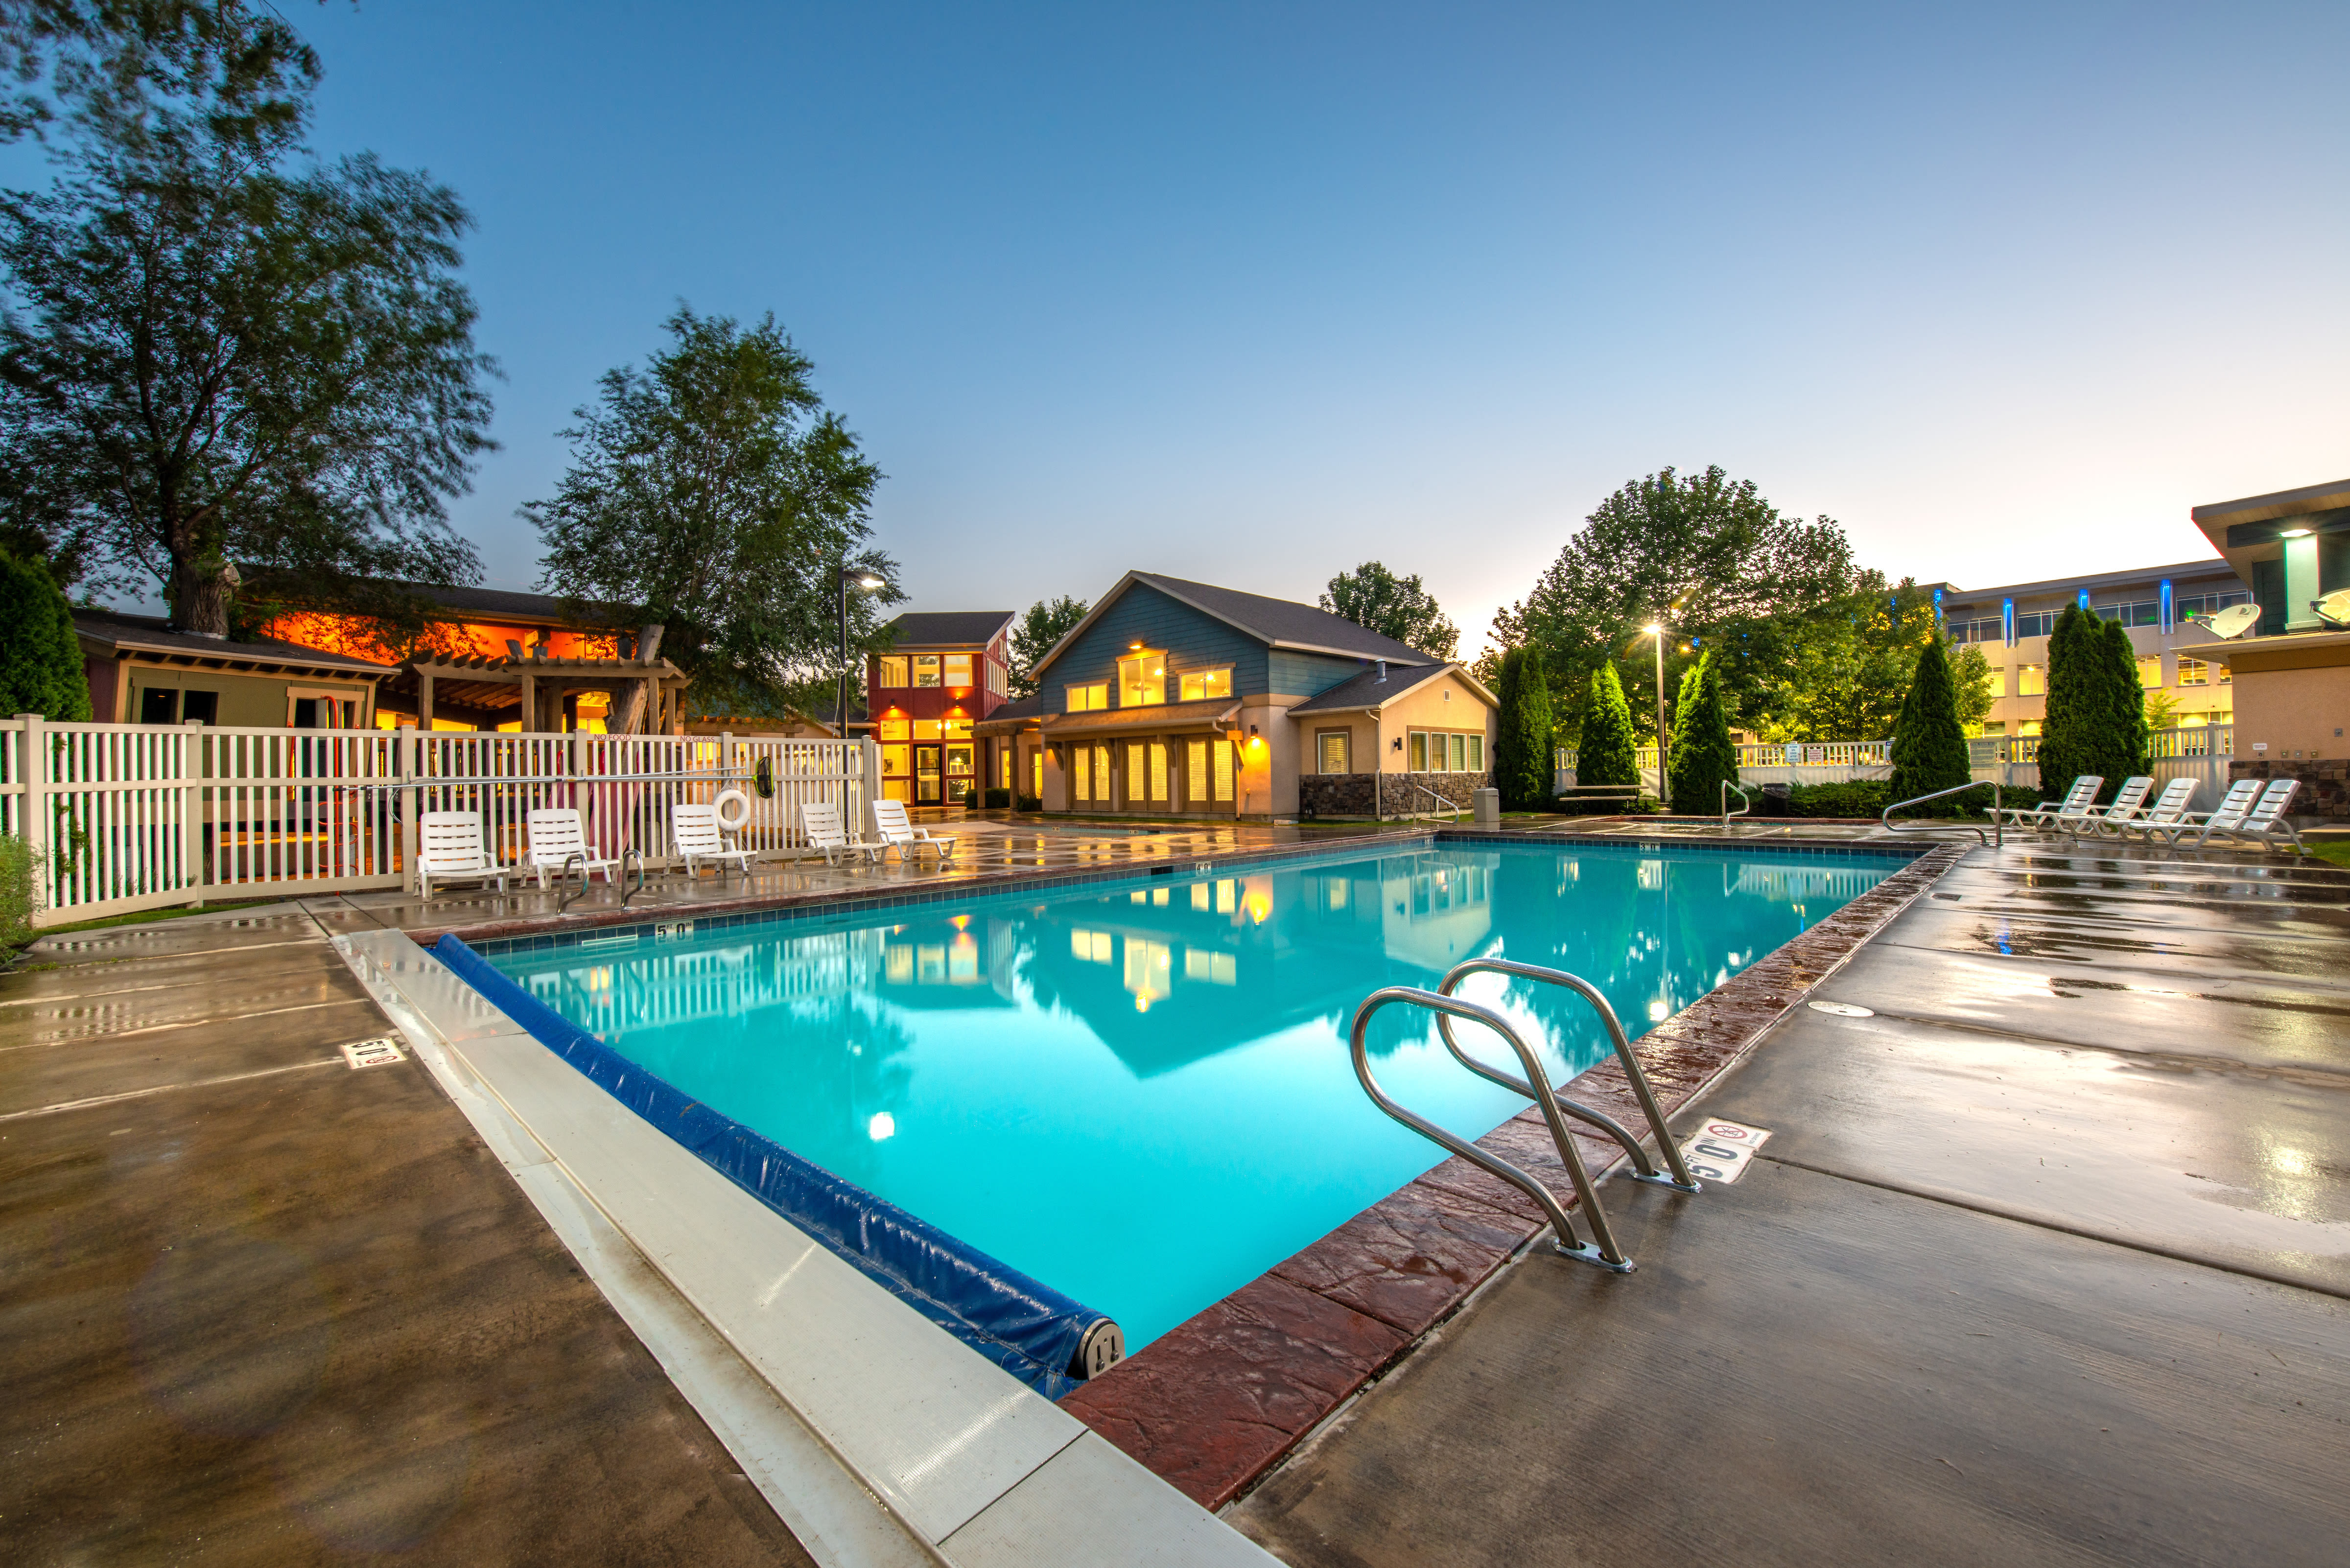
1703	756
19	892
1603	755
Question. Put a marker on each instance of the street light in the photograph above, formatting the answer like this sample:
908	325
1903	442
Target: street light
1656	629
850	577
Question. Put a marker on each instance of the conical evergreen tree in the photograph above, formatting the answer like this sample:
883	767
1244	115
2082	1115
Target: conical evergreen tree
40	659
1702	754
1523	765
2076	709
1929	745
1605	755
2131	738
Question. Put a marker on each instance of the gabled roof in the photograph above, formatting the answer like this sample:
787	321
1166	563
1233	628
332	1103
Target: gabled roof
1369	691
509	604
950	628
152	634
1276	623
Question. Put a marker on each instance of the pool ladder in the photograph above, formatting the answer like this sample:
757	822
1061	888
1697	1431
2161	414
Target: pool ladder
1536	1085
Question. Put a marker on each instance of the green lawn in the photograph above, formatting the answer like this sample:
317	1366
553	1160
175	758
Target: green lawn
2334	851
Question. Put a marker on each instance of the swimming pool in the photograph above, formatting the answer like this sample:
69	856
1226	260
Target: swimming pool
1138	1091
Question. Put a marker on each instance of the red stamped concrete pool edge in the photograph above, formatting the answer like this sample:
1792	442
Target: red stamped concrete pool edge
1216	1402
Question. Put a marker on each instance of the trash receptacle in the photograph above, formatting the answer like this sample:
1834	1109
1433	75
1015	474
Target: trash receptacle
1775	801
1486	805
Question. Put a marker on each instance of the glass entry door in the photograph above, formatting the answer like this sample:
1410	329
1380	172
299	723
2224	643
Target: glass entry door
926	776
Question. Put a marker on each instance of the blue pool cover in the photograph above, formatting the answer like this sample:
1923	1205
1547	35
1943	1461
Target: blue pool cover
1029	1329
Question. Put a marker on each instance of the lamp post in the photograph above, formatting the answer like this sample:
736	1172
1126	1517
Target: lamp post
850	577
1656	629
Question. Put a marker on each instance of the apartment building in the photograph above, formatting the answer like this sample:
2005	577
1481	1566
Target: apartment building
2011	624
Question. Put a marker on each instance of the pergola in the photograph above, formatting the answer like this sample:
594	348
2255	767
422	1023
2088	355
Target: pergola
488	692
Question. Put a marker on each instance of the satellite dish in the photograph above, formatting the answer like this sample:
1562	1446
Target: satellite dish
2336	606
2233	621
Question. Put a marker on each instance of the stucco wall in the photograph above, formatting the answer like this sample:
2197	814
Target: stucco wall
257	701
2297	701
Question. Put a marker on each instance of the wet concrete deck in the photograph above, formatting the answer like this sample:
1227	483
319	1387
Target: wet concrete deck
256	1306
2045	1263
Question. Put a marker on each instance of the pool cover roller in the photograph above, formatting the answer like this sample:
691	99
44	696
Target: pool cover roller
1029	1329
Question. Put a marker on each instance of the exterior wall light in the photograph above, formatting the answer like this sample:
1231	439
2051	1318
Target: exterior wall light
2294	532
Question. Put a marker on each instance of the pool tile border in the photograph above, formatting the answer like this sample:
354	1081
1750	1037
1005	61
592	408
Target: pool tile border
1217	1401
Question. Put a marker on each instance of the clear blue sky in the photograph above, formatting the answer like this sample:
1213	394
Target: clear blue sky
1252	293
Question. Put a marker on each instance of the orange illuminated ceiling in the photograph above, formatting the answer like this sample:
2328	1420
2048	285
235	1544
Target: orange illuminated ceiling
359	637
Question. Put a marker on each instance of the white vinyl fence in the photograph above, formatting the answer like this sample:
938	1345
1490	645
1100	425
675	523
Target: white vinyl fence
2201	754
138	816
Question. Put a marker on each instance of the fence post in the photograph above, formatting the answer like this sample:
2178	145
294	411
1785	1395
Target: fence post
34	772
412	764
192	810
868	770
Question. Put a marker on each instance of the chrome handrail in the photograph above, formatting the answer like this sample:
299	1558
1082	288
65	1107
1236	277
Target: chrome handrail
1680	1179
1455	807
570	899
627	892
1996	837
1746	802
1605	1253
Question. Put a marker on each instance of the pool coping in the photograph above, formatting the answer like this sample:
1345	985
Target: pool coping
1215	1404
548	932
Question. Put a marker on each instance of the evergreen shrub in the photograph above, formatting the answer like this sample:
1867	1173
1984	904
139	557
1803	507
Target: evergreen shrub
1523	770
1929	745
1605	753
40	658
1703	756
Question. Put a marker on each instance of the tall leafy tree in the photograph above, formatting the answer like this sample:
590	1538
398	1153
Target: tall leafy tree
225	354
40	658
715	490
1603	755
1523	762
1703	755
1372	596
1723	567
1038	631
1855	661
1929	745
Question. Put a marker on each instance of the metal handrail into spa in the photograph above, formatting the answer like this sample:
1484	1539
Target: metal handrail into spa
1442	804
1679	1180
1602	1250
1995	838
1745	803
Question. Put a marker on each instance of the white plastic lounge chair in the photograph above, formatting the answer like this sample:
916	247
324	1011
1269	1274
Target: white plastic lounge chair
2239	799
2075	804
897	832
2169	809
2128	800
820	820
449	849
694	831
555	836
2264	824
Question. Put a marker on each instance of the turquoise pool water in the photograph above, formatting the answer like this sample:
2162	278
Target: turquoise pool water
1138	1091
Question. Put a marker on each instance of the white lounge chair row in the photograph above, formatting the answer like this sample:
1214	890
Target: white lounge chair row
451	847
2248	812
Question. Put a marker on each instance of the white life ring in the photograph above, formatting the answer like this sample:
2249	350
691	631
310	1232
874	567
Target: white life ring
740	802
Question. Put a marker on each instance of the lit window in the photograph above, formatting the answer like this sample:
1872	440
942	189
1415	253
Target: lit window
1418	754
926	729
1142	680
926	669
2032	681
1330	746
895	730
897	760
1459	747
955	729
1476	754
892	672
1198	685
1134	770
1159	773
2150	671
2193	671
1089	698
1081	774
958	669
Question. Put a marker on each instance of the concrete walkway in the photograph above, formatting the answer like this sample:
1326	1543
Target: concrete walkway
259	1307
2045	1263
